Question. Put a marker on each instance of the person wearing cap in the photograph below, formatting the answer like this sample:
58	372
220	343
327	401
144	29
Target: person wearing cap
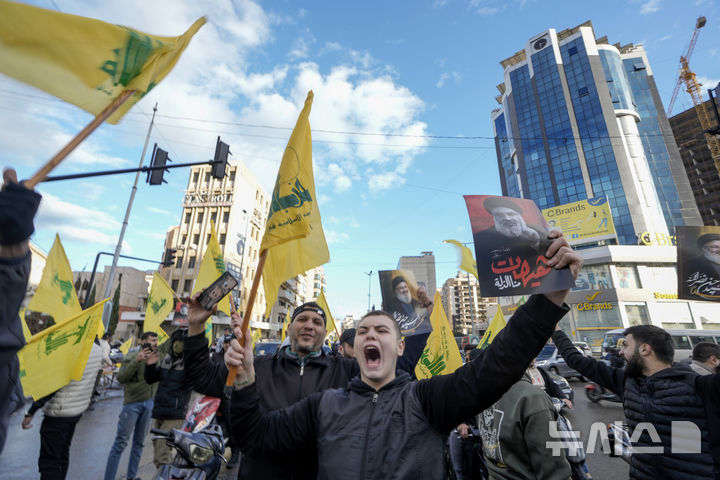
347	340
702	273
297	370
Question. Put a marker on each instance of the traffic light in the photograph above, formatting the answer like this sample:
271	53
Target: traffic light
222	150
169	257
159	159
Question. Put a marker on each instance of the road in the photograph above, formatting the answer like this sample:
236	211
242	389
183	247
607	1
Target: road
601	465
96	431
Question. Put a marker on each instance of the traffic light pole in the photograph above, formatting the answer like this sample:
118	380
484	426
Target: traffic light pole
124	170
111	275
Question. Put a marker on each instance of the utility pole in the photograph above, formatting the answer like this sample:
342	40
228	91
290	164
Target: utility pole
369	274
111	275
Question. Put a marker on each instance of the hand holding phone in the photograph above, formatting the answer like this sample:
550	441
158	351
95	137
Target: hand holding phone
219	288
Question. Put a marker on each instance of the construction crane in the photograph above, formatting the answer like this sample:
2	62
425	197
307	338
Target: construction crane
692	86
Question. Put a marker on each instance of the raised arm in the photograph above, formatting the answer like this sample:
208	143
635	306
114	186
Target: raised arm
449	399
203	375
274	432
607	376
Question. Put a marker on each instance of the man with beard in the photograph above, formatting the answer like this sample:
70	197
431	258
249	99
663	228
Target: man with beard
705	358
656	392
509	237
702	273
407	311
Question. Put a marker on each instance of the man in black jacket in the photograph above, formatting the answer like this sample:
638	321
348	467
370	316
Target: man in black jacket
657	392
383	425
294	372
173	393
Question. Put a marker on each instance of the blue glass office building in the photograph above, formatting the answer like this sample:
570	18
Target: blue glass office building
580	118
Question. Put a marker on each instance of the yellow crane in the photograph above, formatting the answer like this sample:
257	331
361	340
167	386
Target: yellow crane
692	86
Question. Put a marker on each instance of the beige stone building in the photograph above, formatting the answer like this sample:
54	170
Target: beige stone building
466	310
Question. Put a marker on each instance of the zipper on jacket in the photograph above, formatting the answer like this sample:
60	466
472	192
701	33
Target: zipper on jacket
302	370
367	434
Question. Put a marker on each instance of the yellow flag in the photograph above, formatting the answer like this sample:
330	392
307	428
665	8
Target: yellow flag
162	336
125	347
208	331
467	262
211	267
159	304
256	335
55	294
58	354
84	61
286	324
23	324
330	327
497	324
441	355
293	235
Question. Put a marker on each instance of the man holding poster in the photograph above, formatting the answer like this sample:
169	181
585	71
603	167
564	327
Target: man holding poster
511	238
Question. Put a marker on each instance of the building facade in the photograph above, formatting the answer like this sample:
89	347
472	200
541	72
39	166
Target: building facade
423	267
620	286
581	118
698	161
466	310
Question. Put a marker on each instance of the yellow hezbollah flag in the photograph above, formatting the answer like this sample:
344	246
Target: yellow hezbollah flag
293	235
286	324
497	324
211	267
58	354
55	294
467	262
23	323
441	355
125	347
162	336
84	61
330	327
159	304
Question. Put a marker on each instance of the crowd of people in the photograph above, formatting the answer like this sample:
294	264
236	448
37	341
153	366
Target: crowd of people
360	412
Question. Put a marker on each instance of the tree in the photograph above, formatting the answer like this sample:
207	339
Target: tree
115	311
91	300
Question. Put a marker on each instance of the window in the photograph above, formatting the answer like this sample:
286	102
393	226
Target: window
174	285
196	239
681	342
187	218
191	262
213	217
178	262
196	176
232	177
572	50
637	315
627	276
207	177
207	239
226	216
582	91
200	218
593	277
187	286
222	239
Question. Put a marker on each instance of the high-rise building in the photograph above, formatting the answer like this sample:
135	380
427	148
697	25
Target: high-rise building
423	267
466	310
699	164
581	118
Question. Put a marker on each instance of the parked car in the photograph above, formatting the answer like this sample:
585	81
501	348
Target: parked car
551	360
266	348
564	386
584	348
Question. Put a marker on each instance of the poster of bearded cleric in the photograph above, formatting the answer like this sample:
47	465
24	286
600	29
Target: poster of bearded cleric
510	236
406	300
698	263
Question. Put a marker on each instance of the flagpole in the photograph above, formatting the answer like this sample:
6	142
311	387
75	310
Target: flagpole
118	247
232	372
72	145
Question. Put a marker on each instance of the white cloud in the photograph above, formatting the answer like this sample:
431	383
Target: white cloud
332	236
445	76
160	211
707	82
75	222
651	6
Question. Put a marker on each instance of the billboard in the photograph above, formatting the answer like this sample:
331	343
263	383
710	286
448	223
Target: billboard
406	300
586	221
698	263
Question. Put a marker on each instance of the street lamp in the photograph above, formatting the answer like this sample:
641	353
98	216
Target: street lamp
241	252
369	274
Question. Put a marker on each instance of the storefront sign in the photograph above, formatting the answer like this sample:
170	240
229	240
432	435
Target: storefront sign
594	306
656	238
581	222
665	296
207	199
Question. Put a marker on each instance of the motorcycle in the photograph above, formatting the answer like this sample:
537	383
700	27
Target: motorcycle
199	444
595	393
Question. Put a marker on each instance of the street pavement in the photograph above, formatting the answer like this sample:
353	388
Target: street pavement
96	431
91	443
600	464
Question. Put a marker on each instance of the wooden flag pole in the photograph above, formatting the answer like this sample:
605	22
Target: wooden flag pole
72	145
232	373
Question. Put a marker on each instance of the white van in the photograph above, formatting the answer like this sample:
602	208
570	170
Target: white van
684	340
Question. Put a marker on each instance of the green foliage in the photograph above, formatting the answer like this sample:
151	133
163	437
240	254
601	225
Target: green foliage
115	311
